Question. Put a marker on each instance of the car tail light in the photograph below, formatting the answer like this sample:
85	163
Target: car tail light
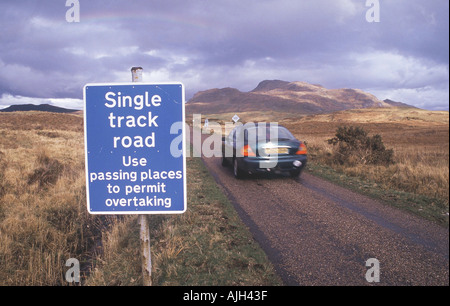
247	151
301	150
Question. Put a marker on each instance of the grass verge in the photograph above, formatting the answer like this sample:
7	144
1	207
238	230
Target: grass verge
206	246
433	209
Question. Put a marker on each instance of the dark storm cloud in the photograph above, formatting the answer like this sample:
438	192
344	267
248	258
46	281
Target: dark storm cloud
207	44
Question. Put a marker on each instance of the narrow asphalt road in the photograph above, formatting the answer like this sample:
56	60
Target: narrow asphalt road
320	234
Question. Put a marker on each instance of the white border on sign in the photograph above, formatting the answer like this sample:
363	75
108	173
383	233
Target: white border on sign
184	150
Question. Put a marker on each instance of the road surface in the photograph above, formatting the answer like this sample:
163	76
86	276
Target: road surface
319	234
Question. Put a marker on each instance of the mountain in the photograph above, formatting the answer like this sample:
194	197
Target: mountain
283	96
398	104
41	107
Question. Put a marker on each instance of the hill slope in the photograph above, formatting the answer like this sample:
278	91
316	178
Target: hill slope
282	96
33	107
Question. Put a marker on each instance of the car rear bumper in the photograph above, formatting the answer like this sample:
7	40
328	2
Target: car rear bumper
255	165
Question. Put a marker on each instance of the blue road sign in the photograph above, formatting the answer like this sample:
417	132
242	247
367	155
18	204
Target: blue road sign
135	155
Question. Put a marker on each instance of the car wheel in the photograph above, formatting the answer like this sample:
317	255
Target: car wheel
236	171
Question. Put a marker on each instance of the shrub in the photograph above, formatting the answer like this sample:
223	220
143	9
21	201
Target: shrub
353	146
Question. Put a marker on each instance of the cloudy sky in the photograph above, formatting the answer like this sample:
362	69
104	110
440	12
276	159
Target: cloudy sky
207	44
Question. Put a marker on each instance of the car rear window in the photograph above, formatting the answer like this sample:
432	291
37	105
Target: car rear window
268	133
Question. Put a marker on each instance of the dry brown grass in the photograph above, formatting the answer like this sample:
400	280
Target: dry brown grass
43	218
208	245
119	262
419	138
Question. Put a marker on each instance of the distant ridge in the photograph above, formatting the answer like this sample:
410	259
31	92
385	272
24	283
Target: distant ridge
283	96
33	107
398	104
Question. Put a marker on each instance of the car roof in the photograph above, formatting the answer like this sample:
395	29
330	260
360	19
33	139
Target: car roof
267	125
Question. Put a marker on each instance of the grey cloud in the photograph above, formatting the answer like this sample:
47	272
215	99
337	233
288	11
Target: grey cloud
208	44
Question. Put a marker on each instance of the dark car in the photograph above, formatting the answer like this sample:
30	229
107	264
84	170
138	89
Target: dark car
263	147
